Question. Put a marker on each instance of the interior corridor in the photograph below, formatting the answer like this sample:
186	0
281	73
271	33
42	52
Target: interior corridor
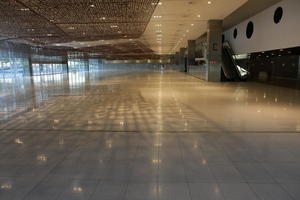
142	135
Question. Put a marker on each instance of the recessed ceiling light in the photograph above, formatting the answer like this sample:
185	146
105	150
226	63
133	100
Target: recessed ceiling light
192	24
209	2
198	16
92	6
24	9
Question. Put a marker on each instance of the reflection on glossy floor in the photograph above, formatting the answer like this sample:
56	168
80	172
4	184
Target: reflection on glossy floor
147	135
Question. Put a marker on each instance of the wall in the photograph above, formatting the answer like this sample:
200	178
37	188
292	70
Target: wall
268	35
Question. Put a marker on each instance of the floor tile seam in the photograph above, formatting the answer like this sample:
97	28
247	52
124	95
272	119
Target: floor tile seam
184	169
243	177
221	128
128	178
256	193
147	131
278	183
46	175
157	168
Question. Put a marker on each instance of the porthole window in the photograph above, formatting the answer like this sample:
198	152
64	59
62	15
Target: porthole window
278	15
235	32
250	30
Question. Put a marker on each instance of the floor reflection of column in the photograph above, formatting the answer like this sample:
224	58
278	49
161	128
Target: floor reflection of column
87	80
32	92
159	115
66	83
298	78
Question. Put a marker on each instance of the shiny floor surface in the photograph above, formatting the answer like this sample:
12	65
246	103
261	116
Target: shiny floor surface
147	135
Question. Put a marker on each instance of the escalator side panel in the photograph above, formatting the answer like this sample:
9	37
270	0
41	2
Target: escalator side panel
228	66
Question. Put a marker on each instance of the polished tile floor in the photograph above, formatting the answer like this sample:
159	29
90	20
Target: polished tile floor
114	135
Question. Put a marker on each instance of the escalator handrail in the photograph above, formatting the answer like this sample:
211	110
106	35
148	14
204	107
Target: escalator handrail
227	45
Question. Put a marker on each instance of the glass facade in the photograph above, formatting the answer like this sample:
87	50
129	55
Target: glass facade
77	62
13	63
95	64
46	69
47	65
77	65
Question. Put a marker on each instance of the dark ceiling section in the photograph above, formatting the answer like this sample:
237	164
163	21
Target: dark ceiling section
121	50
17	21
249	9
45	22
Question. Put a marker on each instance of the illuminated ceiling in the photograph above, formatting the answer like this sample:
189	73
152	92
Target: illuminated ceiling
174	22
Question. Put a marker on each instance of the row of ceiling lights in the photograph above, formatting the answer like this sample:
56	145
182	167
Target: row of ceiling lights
159	39
184	35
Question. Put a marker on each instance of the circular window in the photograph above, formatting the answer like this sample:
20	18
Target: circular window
235	32
278	15
250	30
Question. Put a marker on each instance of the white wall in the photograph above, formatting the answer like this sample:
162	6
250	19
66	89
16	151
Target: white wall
268	35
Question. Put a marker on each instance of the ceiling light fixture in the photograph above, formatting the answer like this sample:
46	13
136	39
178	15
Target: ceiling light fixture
209	2
24	9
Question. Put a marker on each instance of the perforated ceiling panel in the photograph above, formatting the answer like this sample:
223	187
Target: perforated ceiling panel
59	21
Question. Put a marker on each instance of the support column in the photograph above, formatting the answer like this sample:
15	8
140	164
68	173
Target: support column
30	70
86	63
100	61
182	59
177	58
65	63
299	69
214	51
191	53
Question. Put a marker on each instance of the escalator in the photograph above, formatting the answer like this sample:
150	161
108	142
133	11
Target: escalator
232	71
